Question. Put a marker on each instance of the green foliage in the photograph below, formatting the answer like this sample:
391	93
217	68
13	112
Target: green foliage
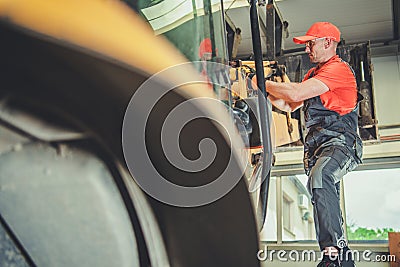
362	233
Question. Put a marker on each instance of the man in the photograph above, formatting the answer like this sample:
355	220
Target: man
332	146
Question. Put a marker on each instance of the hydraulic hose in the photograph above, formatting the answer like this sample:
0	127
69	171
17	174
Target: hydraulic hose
264	114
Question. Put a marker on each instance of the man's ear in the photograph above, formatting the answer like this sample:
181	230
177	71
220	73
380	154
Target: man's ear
328	42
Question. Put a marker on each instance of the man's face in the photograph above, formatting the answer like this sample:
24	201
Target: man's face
315	50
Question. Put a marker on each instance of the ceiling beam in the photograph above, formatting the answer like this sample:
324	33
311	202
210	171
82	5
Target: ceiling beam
396	21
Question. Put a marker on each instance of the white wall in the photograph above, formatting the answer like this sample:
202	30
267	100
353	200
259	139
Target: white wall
269	231
386	79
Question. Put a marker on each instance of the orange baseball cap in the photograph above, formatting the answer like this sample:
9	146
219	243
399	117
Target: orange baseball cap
319	30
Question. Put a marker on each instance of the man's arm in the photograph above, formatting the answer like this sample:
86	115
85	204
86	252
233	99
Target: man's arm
296	92
283	105
289	96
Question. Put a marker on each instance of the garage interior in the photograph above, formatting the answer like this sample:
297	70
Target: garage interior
69	194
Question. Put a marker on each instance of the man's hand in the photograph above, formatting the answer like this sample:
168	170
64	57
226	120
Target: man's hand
276	101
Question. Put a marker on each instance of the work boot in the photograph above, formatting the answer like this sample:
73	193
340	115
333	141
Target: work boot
327	263
346	258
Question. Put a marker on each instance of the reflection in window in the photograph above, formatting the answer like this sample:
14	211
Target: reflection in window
372	205
186	24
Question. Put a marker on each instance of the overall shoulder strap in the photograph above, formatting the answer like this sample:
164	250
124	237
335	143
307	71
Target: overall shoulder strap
311	74
350	67
359	96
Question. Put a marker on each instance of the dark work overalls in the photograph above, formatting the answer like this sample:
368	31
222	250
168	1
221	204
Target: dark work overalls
332	148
